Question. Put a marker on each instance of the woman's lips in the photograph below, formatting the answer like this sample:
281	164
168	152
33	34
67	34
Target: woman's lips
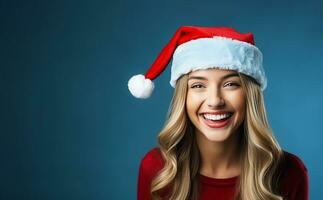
216	124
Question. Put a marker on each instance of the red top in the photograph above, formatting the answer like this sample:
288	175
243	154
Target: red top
293	179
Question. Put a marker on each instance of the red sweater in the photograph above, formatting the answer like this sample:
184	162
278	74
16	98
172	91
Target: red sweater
293	179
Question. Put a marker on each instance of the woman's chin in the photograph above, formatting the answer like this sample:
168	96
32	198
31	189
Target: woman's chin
216	136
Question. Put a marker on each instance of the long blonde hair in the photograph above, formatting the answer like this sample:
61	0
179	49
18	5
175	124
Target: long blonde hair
261	153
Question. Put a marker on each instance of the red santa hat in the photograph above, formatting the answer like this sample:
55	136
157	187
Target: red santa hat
193	48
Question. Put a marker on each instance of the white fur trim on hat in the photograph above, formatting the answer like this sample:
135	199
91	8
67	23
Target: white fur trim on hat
140	87
220	53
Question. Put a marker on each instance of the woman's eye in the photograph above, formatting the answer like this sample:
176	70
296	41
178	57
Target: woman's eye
231	84
197	86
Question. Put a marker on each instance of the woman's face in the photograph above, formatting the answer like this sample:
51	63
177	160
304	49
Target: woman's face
215	103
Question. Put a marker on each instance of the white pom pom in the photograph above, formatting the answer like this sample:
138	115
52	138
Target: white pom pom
140	87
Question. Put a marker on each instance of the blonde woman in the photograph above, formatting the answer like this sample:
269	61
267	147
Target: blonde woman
216	142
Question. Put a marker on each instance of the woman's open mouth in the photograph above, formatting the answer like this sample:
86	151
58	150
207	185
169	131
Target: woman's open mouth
216	120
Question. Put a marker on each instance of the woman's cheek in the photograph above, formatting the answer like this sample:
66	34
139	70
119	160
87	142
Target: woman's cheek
194	99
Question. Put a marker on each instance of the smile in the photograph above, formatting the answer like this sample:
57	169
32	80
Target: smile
216	120
216	117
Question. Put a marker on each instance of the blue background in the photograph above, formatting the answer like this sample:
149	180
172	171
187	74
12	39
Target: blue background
71	130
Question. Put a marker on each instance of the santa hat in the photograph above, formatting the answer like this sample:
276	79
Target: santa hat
193	48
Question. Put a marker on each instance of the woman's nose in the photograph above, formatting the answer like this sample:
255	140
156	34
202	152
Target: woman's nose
215	99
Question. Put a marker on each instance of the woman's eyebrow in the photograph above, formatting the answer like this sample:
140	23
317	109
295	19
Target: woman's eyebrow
229	75
223	77
197	77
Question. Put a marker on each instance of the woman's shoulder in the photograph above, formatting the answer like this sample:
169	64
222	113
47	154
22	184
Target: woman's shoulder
293	177
150	165
294	164
152	162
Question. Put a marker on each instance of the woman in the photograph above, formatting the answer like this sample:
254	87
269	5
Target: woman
216	142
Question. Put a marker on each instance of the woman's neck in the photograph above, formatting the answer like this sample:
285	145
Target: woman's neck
220	159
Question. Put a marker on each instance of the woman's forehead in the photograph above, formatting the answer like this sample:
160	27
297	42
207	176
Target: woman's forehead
212	72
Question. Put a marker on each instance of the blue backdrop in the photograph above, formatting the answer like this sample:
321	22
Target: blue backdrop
71	130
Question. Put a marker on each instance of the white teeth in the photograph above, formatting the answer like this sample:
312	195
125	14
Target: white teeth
216	117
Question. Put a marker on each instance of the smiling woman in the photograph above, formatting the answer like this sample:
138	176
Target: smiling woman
216	102
216	142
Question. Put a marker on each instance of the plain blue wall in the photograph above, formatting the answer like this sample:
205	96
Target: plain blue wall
71	130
